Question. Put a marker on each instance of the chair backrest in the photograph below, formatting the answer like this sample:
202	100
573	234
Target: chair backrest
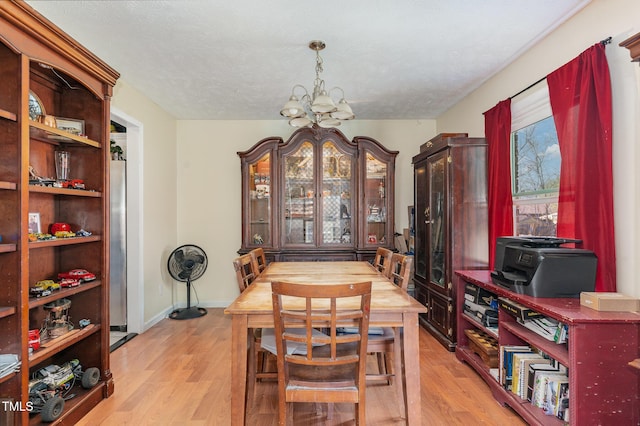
245	272
259	259
382	261
400	270
317	307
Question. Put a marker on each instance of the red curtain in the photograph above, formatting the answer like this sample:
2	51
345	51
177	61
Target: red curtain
497	129
580	96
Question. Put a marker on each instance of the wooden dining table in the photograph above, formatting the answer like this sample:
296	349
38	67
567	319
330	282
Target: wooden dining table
390	307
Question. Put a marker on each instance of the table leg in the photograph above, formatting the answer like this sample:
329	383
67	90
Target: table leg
239	340
411	349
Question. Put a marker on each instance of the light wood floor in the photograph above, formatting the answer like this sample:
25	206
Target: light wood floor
179	373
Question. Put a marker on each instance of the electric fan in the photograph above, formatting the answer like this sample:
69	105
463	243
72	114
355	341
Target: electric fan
187	263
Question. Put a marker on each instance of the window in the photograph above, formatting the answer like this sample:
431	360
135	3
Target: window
535	165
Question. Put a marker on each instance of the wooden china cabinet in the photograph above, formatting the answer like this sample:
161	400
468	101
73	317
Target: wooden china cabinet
317	196
451	228
44	73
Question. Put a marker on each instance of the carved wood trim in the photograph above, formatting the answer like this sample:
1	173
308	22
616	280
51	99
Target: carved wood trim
633	44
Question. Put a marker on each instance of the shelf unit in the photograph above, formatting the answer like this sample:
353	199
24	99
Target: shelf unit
317	196
38	61
603	387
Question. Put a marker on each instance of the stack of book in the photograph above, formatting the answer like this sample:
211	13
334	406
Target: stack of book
481	306
549	328
533	376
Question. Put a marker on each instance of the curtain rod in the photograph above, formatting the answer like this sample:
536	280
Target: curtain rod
603	42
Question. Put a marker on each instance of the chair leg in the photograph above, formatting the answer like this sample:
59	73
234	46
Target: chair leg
330	411
389	358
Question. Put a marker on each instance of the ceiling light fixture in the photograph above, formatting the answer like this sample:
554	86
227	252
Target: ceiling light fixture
318	104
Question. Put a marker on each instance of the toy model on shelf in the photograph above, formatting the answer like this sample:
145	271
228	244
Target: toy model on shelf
52	385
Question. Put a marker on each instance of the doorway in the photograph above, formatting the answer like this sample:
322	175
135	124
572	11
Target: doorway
133	297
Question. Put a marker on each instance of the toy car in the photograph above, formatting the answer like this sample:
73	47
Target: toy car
44	288
39	292
64	234
83	233
50	386
80	274
69	282
73	183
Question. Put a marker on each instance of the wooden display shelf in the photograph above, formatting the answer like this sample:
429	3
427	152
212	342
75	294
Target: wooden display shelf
8	115
6	311
479	325
62	293
8	185
54	346
78	406
599	355
7	248
64	191
7	377
64	241
55	136
559	352
76	84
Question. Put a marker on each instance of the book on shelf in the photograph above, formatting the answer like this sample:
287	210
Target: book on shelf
556	387
517	310
562	332
506	362
478	295
543	365
540	386
563	403
520	373
543	326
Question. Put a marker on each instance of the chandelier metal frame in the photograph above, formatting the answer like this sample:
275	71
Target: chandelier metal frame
316	107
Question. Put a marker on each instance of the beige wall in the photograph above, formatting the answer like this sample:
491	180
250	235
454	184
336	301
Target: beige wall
159	188
602	18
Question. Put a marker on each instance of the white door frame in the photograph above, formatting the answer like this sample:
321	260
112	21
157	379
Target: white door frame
135	230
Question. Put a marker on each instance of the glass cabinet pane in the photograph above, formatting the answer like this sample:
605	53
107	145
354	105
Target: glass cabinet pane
436	217
336	195
260	201
299	192
375	187
421	211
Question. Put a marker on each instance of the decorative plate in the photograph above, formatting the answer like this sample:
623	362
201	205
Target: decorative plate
35	106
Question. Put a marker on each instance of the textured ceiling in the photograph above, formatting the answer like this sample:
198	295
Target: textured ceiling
226	60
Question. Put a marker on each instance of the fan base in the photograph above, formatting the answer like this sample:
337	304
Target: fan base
188	313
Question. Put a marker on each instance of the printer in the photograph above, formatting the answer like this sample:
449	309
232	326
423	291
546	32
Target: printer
540	267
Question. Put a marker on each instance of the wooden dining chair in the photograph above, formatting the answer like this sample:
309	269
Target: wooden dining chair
400	270
332	368
246	273
259	259
386	342
382	261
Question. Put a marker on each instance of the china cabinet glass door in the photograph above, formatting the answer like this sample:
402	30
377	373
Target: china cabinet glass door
299	196
375	187
337	206
436	216
260	201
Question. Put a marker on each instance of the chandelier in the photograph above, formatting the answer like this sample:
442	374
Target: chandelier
317	107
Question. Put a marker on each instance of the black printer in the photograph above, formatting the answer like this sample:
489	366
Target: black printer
540	267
